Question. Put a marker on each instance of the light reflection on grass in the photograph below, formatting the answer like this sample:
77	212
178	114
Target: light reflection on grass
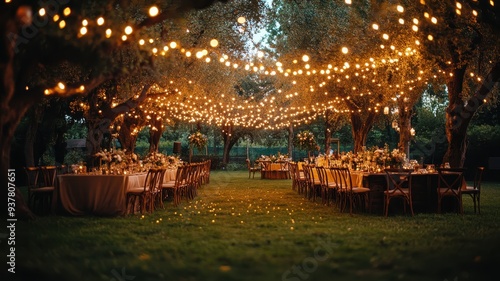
251	229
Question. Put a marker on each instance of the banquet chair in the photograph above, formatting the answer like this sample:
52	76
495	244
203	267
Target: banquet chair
156	190
328	184
43	187
285	167
252	168
475	190
450	184
145	192
349	193
293	166
398	186
179	185
194	180
313	185
205	173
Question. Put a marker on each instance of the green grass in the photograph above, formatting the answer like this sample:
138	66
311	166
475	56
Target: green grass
251	229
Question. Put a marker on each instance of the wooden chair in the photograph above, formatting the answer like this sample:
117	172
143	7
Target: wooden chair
328	184
156	190
349	193
252	168
475	190
450	184
146	193
178	187
313	185
41	187
398	186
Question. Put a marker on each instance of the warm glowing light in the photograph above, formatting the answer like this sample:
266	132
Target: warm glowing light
260	54
67	11
345	50
100	21
85	22
173	45
400	9
385	36
348	2
305	58
375	26
241	20
415	28
153	11
430	37
62	24
128	30
42	12
61	86
124	37
214	43
55	18
108	33
142	42
83	30
434	20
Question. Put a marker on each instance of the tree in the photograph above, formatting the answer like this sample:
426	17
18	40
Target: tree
463	40
26	51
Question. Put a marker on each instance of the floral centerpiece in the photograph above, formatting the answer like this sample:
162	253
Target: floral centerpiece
198	140
157	159
117	158
305	140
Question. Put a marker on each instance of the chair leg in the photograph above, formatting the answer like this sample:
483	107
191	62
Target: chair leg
478	198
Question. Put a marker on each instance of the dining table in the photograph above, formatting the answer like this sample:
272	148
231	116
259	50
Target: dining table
274	170
97	194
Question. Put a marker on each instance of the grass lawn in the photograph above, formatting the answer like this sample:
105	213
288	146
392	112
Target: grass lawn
252	229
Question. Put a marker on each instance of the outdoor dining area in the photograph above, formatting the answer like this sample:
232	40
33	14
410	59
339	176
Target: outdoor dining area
55	190
429	190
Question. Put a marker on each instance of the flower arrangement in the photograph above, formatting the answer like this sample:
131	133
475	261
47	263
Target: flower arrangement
198	140
116	156
157	159
305	140
374	156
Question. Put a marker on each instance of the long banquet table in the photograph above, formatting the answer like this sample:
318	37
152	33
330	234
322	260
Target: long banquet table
103	195
424	194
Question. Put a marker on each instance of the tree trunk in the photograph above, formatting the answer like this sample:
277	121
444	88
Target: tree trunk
126	138
227	132
360	129
12	113
459	114
404	129
35	117
290	141
155	132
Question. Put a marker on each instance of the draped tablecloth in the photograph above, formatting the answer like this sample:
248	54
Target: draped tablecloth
277	170
96	194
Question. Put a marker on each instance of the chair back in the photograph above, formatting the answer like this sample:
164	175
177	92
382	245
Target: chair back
344	178
322	175
32	174
48	175
398	180
292	166
478	178
451	179
154	180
